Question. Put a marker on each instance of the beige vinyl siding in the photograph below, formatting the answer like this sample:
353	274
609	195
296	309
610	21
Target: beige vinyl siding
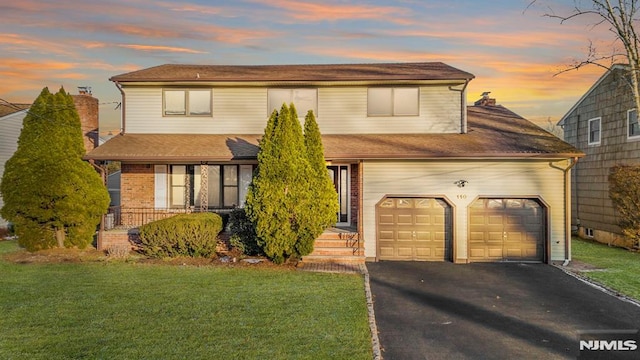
235	111
341	110
515	179
11	127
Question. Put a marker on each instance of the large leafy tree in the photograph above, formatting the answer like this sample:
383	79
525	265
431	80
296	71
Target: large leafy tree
621	18
51	195
282	199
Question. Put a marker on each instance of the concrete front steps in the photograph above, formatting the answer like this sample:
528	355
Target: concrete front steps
337	246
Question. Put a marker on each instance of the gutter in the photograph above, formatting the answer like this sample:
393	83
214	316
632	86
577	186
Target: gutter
122	105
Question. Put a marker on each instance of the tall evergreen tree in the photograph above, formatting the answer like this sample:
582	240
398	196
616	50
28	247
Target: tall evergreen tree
323	209
52	196
279	191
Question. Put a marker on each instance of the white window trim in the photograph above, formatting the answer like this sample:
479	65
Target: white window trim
629	136
186	102
599	120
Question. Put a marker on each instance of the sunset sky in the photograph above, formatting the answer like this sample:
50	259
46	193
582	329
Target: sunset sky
512	49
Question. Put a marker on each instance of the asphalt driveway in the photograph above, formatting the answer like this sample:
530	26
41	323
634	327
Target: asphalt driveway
438	310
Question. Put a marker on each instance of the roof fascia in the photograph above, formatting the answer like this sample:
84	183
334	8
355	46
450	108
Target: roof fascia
453	82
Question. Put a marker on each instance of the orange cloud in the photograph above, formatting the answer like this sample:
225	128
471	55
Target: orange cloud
160	48
323	11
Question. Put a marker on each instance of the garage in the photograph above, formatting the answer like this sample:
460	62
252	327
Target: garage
506	230
418	229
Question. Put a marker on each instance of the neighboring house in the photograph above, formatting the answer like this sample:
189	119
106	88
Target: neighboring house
11	116
604	125
420	175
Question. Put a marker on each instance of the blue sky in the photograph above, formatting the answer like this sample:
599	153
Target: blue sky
512	52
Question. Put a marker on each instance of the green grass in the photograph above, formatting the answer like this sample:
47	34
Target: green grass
621	268
120	310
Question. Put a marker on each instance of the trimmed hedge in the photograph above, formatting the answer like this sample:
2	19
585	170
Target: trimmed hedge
192	235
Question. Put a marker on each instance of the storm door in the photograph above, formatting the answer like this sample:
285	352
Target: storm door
340	176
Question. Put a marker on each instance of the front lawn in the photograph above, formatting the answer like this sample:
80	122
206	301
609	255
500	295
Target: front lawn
619	269
128	310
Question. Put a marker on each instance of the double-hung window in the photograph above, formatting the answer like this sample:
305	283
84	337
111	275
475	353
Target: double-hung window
393	101
186	102
595	132
303	99
633	128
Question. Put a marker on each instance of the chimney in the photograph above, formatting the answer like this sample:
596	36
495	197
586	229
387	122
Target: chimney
485	100
87	107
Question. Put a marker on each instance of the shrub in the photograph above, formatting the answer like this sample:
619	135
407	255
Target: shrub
192	235
243	233
624	191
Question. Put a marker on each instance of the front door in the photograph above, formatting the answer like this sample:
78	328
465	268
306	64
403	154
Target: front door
340	176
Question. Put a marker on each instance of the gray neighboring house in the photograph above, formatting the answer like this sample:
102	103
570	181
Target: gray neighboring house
604	125
11	117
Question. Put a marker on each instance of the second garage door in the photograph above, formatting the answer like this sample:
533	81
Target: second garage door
414	229
506	230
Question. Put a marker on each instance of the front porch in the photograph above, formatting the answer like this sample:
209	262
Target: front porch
340	244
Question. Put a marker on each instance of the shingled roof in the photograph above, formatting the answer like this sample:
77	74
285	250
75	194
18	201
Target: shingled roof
293	73
494	132
6	109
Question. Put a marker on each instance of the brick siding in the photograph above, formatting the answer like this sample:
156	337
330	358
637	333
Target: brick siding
137	186
87	107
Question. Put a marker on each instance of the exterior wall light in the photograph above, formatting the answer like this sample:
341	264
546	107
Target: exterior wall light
461	183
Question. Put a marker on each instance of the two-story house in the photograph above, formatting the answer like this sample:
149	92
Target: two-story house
420	175
604	125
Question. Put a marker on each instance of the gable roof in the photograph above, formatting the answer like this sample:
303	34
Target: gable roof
614	68
494	132
8	109
294	73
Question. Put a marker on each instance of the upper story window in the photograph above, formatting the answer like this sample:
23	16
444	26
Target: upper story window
303	99
594	131
393	101
633	128
192	102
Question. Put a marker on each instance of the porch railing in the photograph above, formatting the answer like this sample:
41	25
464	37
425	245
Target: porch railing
118	217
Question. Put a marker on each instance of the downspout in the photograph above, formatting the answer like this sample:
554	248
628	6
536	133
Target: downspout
567	212
122	105
463	106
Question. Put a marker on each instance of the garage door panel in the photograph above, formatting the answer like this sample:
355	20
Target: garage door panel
385	235
506	229
403	219
423	220
414	229
495	220
385	219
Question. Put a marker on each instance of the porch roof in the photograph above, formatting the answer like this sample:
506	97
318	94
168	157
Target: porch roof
493	132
